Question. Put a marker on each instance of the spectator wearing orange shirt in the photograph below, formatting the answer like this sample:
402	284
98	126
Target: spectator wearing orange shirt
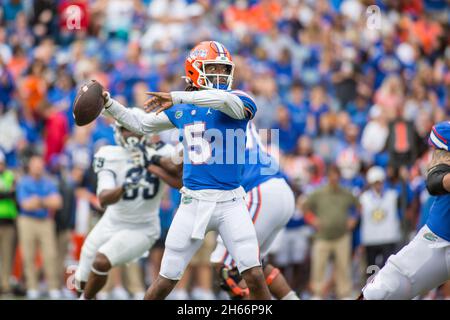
238	16
265	15
33	89
427	32
18	62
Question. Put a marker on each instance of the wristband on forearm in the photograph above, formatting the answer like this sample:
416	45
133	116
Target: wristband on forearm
108	101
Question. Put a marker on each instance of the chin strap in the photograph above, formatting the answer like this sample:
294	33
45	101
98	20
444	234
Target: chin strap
222	87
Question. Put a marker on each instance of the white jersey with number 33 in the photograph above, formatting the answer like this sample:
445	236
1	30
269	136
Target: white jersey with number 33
112	165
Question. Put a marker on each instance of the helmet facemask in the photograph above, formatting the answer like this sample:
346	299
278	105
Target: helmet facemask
131	142
221	81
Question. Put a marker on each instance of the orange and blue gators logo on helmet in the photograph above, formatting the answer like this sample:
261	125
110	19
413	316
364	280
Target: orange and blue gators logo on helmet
440	135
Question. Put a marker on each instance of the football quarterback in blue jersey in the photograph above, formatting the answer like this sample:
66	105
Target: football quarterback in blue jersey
271	204
212	120
424	263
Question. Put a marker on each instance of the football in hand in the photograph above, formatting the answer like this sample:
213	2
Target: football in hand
88	103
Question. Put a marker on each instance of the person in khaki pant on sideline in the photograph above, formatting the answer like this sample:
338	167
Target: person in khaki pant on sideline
38	198
8	213
328	210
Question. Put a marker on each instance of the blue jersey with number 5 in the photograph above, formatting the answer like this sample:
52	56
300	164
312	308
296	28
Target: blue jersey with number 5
214	145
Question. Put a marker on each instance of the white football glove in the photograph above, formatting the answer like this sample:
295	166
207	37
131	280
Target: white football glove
137	157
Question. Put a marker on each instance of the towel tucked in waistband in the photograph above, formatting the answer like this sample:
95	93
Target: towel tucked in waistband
203	214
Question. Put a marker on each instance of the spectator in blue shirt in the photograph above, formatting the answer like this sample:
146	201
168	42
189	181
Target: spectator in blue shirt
288	133
11	8
38	198
318	103
386	62
297	107
62	95
6	85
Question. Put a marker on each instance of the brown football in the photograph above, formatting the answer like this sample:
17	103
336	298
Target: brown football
88	103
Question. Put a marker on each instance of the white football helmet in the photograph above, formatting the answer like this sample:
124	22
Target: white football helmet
132	141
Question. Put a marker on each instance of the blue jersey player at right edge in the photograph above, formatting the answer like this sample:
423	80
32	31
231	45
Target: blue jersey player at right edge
212	121
424	263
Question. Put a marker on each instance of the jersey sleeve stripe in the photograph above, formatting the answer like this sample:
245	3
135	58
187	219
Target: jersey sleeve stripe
250	112
248	102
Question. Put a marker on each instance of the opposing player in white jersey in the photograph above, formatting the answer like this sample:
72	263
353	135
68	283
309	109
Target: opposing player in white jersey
271	204
424	263
212	120
132	195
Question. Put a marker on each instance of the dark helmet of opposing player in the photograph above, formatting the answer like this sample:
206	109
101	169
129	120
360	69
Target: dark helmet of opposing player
127	138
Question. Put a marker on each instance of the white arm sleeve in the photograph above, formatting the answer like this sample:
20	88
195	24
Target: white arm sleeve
142	125
106	180
223	101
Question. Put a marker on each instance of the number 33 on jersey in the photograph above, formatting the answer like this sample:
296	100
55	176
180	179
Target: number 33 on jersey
112	164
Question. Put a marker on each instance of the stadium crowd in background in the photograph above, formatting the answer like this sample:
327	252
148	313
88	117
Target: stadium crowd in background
343	95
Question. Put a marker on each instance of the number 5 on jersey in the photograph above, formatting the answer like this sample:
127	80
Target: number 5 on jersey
199	150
